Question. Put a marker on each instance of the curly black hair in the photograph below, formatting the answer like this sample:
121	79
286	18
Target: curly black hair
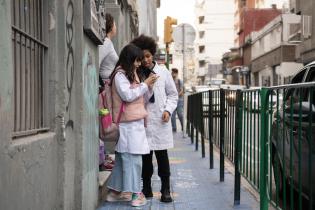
145	43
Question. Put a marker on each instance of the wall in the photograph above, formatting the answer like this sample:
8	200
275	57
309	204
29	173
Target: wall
274	34
79	144
307	47
147	17
29	166
218	27
254	20
90	125
284	70
57	169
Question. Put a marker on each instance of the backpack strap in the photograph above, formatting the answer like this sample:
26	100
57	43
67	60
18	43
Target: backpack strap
121	110
122	106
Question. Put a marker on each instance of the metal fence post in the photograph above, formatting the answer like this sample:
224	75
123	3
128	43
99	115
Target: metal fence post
222	116
210	127
192	119
197	138
202	129
238	147
196	122
264	150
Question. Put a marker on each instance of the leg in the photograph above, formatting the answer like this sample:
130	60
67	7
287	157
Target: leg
147	172
115	181
180	114
132	166
164	173
173	120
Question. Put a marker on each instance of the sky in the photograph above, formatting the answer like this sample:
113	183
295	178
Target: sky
182	10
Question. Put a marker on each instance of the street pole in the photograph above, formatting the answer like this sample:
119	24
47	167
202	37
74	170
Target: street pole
184	54
167	56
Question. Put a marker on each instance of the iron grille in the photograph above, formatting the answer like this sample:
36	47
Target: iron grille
28	53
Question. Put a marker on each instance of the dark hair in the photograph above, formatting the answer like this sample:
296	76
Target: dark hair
129	54
145	43
175	70
109	22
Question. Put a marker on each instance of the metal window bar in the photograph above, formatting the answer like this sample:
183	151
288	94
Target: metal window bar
28	53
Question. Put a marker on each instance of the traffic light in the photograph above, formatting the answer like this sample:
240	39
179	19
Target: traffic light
168	29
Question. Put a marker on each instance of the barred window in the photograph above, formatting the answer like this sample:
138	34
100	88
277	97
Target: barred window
29	28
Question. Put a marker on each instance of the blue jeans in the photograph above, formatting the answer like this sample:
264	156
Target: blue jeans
179	110
126	174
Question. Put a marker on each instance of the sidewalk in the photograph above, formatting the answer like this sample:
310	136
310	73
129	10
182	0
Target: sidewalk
193	184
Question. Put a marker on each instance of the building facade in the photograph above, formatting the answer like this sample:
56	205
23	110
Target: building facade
240	57
243	5
48	99
214	32
272	54
305	33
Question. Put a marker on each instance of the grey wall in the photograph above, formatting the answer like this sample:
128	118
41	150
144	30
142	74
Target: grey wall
57	169
131	23
29	166
307	48
147	17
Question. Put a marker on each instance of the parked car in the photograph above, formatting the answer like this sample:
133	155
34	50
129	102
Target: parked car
293	136
253	100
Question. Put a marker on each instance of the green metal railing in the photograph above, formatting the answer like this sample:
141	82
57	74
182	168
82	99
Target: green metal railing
267	133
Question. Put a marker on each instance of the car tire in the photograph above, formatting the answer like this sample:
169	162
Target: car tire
278	173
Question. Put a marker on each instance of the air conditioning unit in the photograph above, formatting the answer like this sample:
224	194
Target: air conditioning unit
306	26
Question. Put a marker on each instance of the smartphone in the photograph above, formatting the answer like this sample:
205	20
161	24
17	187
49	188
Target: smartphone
151	71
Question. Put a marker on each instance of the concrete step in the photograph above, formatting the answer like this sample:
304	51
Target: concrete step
102	189
102	183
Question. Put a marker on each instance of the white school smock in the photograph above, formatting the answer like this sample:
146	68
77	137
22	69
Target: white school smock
159	133
132	137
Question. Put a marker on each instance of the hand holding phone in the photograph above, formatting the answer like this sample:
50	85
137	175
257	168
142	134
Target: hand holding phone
151	80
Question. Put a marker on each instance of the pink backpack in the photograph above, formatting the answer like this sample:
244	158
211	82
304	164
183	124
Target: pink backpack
108	130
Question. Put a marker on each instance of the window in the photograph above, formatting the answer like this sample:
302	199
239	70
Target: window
296	93
29	28
201	34
201	19
202	49
202	63
311	75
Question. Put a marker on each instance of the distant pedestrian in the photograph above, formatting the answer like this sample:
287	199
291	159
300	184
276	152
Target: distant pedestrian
180	104
128	98
159	130
107	54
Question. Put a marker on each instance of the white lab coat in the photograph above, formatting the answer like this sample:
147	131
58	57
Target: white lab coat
159	133
132	137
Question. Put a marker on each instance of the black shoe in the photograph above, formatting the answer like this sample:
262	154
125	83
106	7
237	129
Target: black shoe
166	196
147	192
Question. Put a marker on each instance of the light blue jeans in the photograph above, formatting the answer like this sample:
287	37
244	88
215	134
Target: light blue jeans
179	110
126	174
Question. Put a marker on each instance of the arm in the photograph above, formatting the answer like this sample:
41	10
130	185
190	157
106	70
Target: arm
148	95
181	88
102	53
171	93
126	93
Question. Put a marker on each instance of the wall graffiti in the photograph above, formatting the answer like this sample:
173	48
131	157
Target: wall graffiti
70	60
90	113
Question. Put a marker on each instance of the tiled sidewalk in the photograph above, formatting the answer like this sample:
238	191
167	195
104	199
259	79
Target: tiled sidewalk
193	184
